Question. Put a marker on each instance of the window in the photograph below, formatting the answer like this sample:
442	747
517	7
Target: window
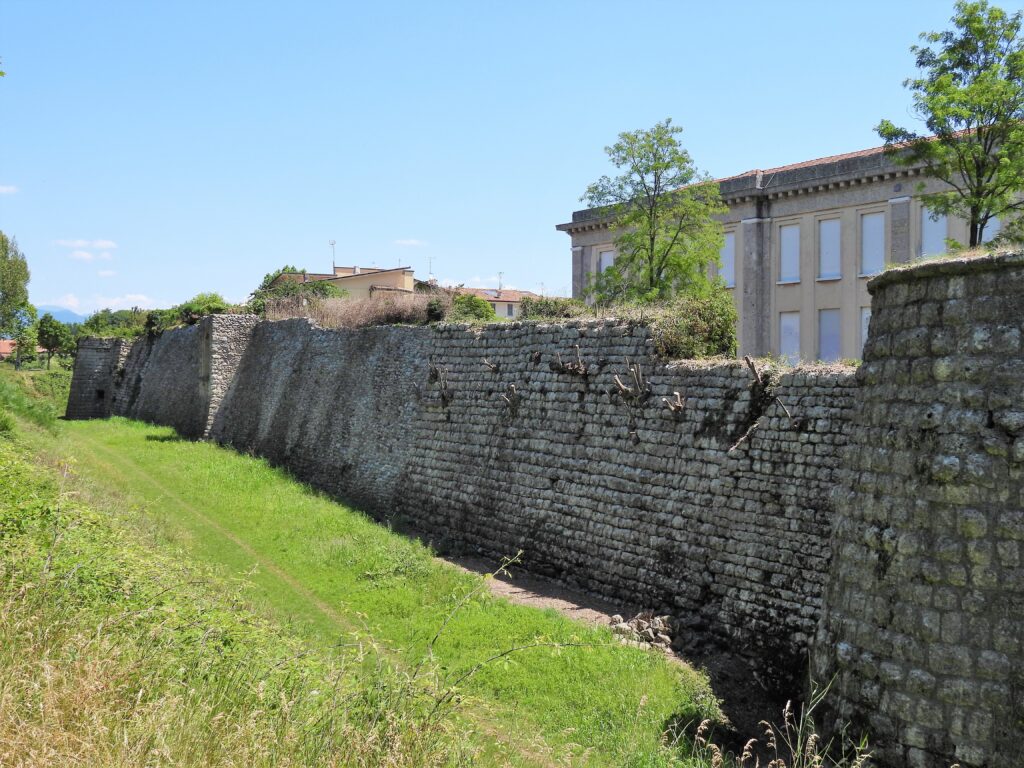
992	230
828	250
789	336
872	243
728	254
828	335
494	307
510	310
789	253
604	260
933	234
865	322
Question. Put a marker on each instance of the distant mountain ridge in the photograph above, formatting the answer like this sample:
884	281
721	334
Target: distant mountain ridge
60	313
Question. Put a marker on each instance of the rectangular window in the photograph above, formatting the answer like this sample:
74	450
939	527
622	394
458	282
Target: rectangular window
828	250
510	310
494	307
933	234
872	243
604	260
789	253
865	322
789	336
828	335
728	254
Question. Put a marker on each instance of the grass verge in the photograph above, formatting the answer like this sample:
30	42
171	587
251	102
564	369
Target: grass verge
114	654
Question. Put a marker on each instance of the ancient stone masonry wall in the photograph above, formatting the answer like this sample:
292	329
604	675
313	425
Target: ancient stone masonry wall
923	627
93	383
877	518
514	448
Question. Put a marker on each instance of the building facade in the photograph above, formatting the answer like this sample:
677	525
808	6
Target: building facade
801	242
359	282
504	301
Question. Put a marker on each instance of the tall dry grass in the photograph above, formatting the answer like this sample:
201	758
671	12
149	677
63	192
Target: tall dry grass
381	309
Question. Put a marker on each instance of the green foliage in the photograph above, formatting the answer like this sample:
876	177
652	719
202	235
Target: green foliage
696	326
661	212
54	336
468	307
157	660
20	397
551	307
122	323
7	423
311	290
200	305
437	308
14	278
970	96
26	338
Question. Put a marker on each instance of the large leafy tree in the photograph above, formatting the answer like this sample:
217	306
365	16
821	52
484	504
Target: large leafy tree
970	95
661	211
13	287
54	336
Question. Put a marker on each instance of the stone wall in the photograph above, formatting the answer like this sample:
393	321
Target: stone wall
93	388
488	440
924	626
876	517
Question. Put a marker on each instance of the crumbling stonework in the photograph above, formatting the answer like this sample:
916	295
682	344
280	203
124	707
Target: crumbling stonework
924	625
876	519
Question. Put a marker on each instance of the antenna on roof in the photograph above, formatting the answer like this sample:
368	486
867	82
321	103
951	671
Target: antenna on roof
500	275
430	267
331	243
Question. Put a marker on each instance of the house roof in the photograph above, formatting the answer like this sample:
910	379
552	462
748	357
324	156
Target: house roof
505	294
808	163
301	277
7	347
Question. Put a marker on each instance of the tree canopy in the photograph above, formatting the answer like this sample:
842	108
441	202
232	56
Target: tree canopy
54	336
661	211
14	276
970	96
266	291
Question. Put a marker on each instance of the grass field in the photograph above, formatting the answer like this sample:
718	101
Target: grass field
327	579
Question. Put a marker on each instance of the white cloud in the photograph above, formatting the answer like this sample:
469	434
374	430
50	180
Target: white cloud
83	255
106	273
7	189
411	243
68	301
126	301
107	245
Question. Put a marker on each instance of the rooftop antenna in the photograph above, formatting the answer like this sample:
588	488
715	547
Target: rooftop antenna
331	243
542	289
430	267
500	275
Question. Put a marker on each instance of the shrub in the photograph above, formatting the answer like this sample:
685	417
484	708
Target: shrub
6	423
313	290
696	326
382	309
466	306
553	307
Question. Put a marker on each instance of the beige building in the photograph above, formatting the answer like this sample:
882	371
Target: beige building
359	282
801	242
504	302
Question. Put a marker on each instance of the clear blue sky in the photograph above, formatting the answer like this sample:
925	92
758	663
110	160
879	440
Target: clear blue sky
150	151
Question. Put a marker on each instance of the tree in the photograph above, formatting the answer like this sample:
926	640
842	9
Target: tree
970	96
54	336
313	289
661	212
14	277
25	337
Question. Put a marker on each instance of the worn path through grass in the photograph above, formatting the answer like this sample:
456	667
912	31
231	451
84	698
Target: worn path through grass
329	571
